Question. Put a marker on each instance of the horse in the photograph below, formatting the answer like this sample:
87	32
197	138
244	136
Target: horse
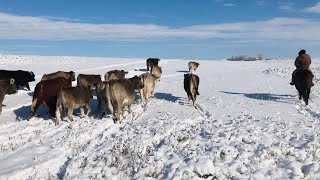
303	83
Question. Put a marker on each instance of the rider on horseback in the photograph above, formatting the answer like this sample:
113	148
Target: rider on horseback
303	61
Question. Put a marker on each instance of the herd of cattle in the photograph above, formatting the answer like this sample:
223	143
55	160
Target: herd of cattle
116	92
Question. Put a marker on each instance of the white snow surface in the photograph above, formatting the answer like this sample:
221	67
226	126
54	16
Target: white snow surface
248	124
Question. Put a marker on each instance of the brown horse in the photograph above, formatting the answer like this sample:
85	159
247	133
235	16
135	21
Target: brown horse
303	83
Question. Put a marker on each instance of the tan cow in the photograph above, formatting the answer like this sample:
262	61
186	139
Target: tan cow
84	80
67	75
156	71
149	82
193	66
115	74
121	93
191	86
71	98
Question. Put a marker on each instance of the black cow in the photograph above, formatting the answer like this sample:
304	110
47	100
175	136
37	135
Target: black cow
22	78
152	62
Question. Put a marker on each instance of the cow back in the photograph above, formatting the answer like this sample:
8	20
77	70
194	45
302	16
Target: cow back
115	74
63	74
86	79
51	87
77	95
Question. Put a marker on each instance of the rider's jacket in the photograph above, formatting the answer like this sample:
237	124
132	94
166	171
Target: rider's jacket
303	61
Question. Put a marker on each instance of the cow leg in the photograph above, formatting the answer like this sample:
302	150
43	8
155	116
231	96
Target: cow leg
110	106
82	112
1	100
142	95
129	109
118	114
70	114
27	85
89	109
34	106
58	115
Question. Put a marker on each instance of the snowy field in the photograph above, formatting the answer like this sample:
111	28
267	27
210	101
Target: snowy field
248	123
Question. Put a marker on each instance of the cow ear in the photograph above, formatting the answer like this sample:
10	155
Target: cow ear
12	81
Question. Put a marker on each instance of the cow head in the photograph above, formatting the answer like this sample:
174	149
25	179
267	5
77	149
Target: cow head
72	75
124	72
12	87
136	82
30	76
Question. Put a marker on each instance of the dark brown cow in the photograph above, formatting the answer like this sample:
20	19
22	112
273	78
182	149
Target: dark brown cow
84	80
102	96
121	93
152	62
71	98
46	92
67	75
7	86
115	74
191	86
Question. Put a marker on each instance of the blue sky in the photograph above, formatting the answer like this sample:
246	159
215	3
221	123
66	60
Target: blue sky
186	29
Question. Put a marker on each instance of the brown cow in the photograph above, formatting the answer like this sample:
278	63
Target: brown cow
84	80
149	82
152	62
115	74
66	75
121	93
46	92
193	66
191	86
71	98
156	71
7	86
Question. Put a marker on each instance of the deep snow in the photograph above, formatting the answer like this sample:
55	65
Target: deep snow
248	123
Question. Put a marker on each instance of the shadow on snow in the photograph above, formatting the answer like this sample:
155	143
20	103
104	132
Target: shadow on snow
285	98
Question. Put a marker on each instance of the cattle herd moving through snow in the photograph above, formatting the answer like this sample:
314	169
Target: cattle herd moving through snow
114	94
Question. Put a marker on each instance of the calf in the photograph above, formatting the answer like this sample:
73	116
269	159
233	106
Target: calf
71	98
7	86
152	62
46	92
149	82
84	80
115	74
67	75
193	66
191	85
156	71
22	78
121	93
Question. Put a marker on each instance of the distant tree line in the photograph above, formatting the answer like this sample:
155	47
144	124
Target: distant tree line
245	58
